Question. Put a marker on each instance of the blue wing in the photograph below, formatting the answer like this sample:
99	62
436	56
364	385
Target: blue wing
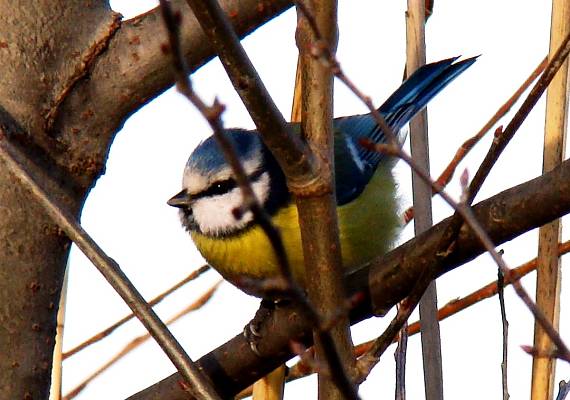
354	165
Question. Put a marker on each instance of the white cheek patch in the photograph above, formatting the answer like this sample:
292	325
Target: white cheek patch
214	214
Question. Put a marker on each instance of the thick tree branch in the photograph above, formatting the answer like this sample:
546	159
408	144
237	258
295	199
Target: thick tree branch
71	68
14	161
39	62
317	209
288	148
291	153
387	279
131	72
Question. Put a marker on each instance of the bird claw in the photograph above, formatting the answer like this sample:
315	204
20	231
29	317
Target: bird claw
252	331
252	337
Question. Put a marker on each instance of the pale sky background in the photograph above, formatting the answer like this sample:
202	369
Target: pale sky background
128	216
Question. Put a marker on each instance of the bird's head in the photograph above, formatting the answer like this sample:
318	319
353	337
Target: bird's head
210	193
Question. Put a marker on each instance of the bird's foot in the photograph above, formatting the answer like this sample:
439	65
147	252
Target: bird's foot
252	331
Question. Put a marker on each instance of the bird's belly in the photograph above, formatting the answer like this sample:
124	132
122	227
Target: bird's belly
367	227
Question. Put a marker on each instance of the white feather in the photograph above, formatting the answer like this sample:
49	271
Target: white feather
214	215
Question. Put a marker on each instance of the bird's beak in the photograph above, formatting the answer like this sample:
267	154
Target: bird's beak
180	200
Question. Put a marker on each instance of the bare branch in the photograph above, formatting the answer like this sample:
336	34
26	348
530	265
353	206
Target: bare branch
505	324
548	274
292	154
421	195
212	115
563	390
369	360
134	343
109	269
554	64
453	307
107	331
288	148
400	358
317	209
131	72
466	147
233	366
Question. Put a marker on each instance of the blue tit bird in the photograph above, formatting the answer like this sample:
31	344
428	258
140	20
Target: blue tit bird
367	205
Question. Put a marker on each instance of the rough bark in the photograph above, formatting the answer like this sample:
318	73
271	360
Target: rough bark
72	72
36	68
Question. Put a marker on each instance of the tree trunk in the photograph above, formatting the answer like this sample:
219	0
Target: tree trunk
72	72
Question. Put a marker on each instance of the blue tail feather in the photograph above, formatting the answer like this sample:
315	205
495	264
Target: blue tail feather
421	87
411	97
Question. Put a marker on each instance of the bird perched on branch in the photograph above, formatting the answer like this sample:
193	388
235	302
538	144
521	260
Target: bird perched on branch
236	246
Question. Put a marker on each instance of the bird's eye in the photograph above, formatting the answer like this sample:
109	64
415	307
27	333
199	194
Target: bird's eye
220	187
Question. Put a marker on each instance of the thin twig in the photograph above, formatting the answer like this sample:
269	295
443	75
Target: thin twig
498	146
521	292
505	324
421	195
134	343
293	155
501	141
466	147
56	373
469	218
453	307
14	159
462	209
212	115
400	358
563	390
107	331
379	346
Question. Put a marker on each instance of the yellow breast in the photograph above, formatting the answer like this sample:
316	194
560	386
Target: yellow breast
367	228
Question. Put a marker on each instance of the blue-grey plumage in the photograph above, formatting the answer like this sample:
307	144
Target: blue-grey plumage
365	188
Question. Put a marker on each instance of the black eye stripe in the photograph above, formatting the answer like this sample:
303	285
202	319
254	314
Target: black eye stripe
217	188
224	186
